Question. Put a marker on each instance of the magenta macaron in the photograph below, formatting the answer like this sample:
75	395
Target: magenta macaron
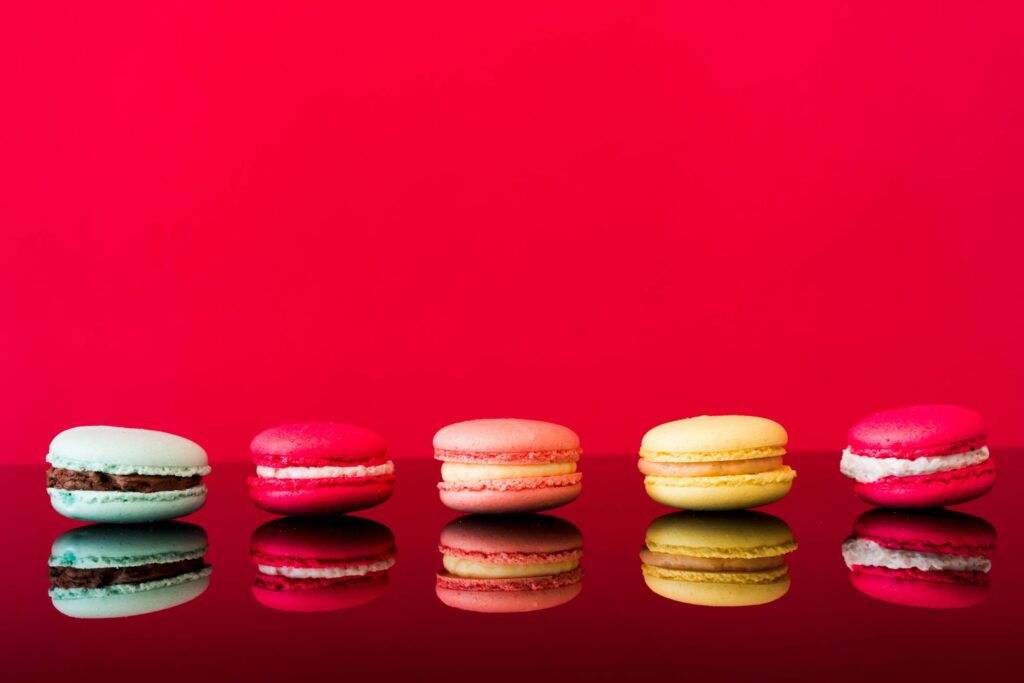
320	468
507	465
921	558
319	564
919	456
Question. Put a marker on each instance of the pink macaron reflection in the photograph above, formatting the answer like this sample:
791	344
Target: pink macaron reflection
320	564
509	563
921	558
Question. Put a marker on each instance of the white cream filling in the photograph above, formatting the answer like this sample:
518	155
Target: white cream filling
326	572
866	470
860	551
324	472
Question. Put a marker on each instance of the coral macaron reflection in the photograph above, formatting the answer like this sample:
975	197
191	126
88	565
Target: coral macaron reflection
321	564
923	558
509	563
733	559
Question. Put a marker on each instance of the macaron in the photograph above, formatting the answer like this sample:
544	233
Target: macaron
320	468
116	474
509	563
921	558
115	570
507	465
716	462
919	456
724	559
316	565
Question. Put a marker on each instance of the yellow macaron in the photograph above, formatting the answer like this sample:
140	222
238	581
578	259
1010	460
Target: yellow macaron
716	462
726	559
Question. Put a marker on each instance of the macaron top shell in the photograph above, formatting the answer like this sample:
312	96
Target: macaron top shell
918	427
122	448
938	531
119	545
511	534
337	539
714	433
505	435
729	534
328	441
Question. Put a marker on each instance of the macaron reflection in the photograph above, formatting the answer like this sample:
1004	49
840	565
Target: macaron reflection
726	559
113	570
926	558
308	564
509	563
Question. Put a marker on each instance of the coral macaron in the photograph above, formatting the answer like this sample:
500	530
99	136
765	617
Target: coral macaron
509	563
716	462
320	468
919	456
507	465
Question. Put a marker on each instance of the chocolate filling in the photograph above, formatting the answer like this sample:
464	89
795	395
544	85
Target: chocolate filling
98	577
77	480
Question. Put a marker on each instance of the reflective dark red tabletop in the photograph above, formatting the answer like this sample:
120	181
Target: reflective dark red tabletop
616	629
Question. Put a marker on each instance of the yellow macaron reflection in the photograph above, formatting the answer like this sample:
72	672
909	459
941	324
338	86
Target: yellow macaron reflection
732	559
716	462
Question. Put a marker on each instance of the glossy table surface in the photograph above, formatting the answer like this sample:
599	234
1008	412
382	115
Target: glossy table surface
822	629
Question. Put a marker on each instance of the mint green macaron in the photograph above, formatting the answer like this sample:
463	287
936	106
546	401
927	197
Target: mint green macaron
114	570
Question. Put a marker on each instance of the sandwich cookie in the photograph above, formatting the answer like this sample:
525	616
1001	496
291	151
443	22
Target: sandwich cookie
320	468
509	563
716	462
919	456
507	465
316	565
103	570
116	474
734	559
921	558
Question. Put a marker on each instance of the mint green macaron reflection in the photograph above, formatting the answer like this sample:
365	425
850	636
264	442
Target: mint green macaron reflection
106	570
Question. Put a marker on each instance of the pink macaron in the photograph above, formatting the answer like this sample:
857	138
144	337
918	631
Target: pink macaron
507	465
509	563
320	468
919	456
316	565
921	558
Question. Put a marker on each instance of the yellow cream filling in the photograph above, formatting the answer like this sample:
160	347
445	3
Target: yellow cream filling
462	471
767	576
460	566
778	476
730	553
717	456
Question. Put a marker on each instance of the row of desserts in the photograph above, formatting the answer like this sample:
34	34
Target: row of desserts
911	457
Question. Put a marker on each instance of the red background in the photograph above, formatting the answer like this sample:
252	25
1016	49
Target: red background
218	216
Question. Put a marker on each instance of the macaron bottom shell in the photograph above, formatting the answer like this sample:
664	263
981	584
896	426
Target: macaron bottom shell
326	598
311	497
495	602
126	507
929	490
734	492
491	501
715	594
891	586
104	604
